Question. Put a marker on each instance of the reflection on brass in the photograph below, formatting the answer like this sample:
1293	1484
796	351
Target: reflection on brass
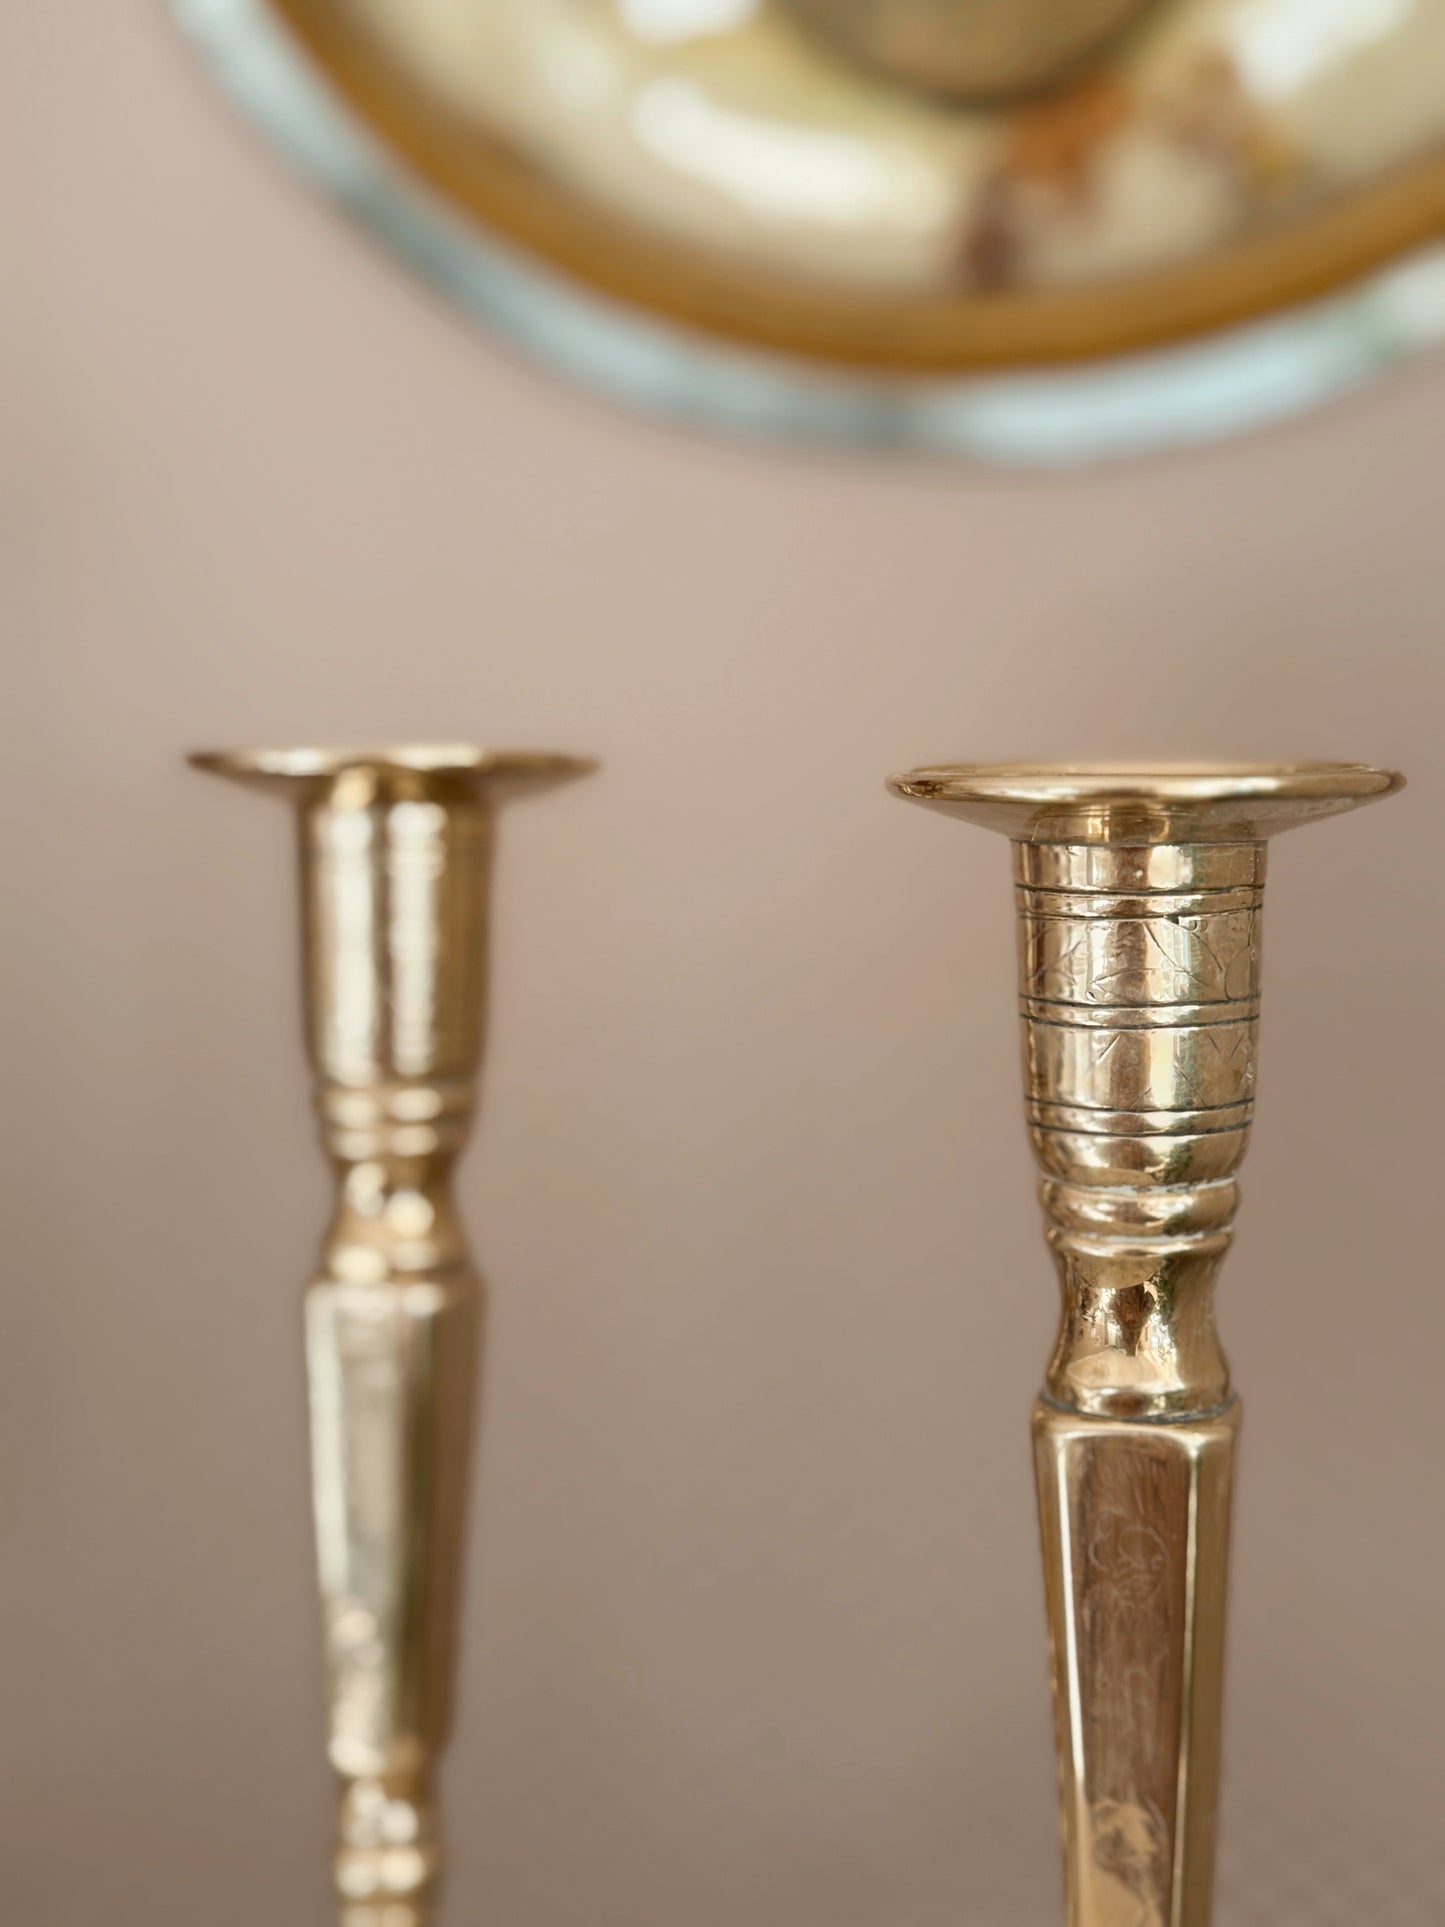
417	1910
973	49
1139	896
395	852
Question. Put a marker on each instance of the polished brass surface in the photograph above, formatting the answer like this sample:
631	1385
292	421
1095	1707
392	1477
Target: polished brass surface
975	50
1139	894
395	850
950	238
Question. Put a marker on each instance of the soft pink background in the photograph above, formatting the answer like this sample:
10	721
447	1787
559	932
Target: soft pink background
753	1628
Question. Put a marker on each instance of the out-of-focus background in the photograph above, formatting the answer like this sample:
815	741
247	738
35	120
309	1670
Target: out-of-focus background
753	1630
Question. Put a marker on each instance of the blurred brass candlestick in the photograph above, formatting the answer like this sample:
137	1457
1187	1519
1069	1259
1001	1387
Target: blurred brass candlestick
1139	896
395	857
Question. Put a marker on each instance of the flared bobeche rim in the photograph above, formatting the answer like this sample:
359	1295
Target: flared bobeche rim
311	764
1094	801
1165	782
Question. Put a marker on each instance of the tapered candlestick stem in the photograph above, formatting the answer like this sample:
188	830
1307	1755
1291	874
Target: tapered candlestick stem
395	852
1139	896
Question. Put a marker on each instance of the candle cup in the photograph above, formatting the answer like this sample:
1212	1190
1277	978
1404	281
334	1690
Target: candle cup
1139	894
395	855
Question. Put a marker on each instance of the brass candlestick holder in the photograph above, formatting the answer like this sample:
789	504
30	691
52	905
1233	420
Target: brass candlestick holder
395	857
1139	896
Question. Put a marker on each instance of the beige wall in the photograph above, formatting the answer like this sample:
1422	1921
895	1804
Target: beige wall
754	1637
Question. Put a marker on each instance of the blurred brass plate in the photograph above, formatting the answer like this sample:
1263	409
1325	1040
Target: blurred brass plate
1277	256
